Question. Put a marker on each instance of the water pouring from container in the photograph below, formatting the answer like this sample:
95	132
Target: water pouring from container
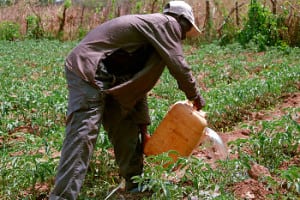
214	144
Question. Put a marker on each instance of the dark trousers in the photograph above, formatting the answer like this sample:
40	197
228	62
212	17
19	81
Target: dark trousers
88	107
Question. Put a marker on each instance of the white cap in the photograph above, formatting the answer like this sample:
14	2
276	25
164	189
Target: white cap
182	8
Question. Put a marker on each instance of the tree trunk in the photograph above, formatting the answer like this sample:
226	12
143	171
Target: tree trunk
274	4
237	13
62	22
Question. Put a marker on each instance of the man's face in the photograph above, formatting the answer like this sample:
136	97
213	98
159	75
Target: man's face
185	26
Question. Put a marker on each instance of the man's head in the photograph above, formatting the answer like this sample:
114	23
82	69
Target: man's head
184	12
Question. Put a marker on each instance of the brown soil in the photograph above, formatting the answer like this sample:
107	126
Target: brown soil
250	189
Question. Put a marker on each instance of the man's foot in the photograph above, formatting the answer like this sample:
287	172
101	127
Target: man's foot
130	185
133	187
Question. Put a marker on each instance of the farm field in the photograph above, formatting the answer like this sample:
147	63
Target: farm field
253	103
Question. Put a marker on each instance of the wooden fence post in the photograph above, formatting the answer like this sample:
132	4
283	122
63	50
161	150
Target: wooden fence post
82	15
237	13
274	4
207	14
62	21
234	9
207	21
153	6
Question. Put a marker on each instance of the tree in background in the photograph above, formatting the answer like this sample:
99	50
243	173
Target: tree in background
261	27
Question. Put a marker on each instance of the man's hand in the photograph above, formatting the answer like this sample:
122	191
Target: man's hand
198	102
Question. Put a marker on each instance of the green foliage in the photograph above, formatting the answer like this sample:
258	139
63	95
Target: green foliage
260	28
9	30
20	166
82	33
33	27
291	178
67	3
32	109
274	144
138	6
188	178
271	145
7	2
236	85
100	173
229	34
235	82
157	177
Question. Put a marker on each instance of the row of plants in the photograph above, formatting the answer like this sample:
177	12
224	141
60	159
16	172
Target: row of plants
235	81
32	113
239	78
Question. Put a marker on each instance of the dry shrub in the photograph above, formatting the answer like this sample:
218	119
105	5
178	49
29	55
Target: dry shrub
289	20
293	32
50	16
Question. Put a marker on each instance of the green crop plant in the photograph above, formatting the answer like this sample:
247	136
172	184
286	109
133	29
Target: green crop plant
274	143
291	179
189	178
32	106
22	166
157	177
102	171
236	86
202	179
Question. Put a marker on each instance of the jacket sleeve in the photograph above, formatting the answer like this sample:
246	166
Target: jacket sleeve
165	37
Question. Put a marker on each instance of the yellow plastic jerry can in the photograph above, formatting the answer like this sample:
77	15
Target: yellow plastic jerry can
181	130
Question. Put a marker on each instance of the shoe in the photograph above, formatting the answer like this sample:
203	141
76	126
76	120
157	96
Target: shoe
137	189
129	185
134	187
